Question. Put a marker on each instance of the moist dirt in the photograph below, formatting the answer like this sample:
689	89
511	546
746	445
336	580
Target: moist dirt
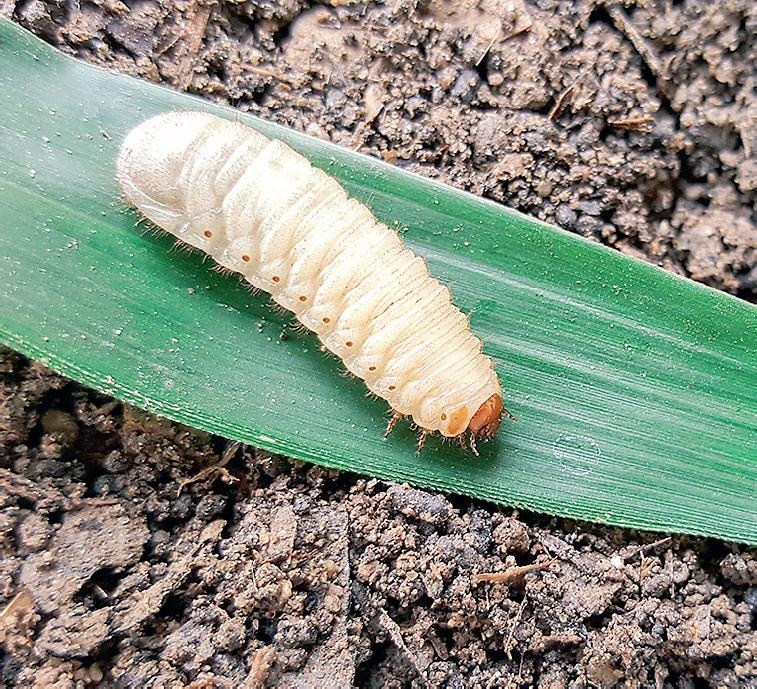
137	552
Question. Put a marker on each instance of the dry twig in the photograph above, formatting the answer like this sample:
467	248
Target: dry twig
560	101
634	123
488	47
645	50
514	573
19	604
646	548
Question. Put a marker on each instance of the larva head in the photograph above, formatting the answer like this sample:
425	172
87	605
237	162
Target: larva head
485	422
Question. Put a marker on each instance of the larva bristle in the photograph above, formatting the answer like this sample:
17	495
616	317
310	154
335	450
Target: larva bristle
266	209
299	328
293	330
223	270
278	308
248	285
181	247
148	231
147	228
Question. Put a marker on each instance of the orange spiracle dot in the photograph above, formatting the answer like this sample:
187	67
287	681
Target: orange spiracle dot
327	320
246	258
275	278
444	416
371	368
303	298
392	387
208	234
349	343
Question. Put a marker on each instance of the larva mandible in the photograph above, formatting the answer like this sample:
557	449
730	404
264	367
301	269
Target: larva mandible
260	209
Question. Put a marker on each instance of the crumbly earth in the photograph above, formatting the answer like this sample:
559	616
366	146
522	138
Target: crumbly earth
137	552
140	553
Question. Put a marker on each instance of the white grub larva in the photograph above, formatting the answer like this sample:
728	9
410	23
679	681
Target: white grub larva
260	209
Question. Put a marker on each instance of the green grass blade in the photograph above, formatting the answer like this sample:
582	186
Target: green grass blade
634	389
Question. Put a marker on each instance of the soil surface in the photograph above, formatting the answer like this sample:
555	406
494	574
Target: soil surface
137	552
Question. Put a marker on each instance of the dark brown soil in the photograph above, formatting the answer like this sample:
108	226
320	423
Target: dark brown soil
634	126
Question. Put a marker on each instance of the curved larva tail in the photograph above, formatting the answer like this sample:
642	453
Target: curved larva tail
260	209
150	161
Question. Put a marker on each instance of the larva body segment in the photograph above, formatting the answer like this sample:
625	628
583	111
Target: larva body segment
260	209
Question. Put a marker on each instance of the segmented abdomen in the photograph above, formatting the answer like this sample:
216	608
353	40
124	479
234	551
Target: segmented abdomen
260	209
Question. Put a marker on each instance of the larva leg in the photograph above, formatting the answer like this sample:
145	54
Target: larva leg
396	416
422	439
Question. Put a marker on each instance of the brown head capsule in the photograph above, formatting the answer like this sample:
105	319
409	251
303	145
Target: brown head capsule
485	422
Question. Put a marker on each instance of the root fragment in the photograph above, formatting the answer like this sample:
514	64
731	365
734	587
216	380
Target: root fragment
218	468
